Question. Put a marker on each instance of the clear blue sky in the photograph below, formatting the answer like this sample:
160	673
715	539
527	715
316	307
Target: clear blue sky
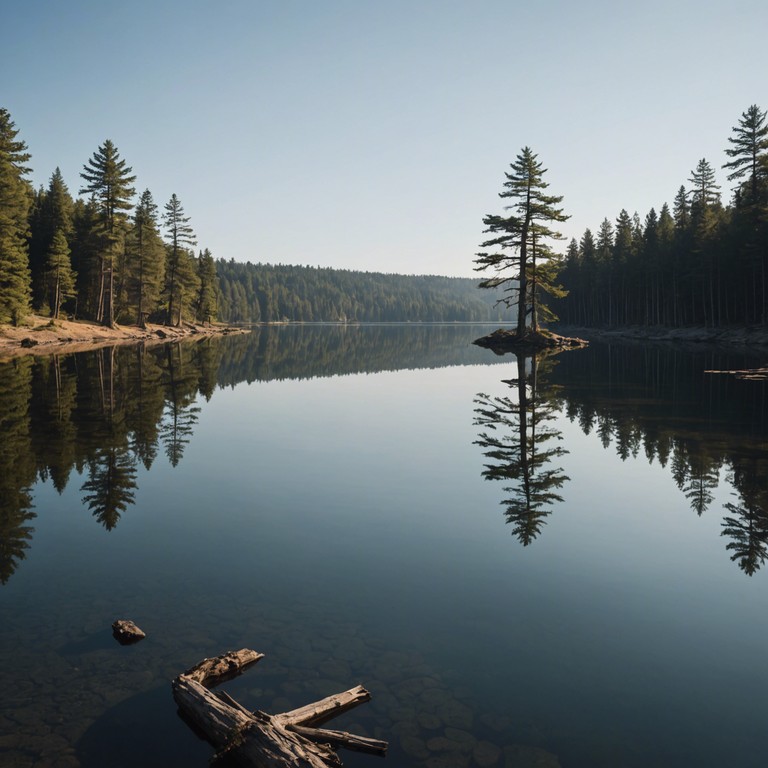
374	134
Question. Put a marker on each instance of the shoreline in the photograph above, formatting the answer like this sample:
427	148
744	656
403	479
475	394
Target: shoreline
39	336
738	338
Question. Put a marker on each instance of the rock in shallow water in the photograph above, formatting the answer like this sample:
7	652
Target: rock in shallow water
126	632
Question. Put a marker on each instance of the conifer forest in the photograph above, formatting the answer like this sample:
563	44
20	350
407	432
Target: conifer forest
111	254
697	262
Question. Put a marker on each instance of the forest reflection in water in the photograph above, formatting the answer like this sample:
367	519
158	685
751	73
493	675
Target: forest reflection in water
105	413
660	403
341	524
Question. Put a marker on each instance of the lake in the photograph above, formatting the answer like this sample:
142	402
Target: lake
527	562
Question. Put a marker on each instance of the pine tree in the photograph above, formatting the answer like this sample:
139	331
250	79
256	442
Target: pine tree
108	180
52	212
682	209
620	258
15	203
146	259
207	297
60	279
668	263
705	209
705	192
650	266
180	235
750	167
750	153
85	245
514	234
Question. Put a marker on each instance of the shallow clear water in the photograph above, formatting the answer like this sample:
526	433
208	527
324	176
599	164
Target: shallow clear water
318	494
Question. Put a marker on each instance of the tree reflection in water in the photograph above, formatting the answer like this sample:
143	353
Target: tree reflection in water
105	413
17	467
747	524
521	441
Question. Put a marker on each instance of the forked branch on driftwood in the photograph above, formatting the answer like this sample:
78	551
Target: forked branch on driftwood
256	738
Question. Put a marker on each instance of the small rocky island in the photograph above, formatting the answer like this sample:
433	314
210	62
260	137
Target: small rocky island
501	341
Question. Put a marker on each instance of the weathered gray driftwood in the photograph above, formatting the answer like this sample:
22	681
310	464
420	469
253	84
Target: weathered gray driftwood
256	738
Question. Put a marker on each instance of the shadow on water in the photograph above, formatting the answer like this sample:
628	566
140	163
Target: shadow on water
144	730
96	641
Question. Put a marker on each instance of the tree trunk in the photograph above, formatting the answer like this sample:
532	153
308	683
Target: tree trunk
259	740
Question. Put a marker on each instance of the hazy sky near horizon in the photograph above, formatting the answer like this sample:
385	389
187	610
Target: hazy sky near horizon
374	134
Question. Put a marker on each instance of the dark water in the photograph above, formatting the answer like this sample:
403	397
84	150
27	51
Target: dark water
528	563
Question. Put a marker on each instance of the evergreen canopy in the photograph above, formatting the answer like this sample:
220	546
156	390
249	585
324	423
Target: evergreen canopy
519	250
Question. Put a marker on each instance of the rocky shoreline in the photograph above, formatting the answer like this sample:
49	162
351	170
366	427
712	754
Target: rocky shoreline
40	335
751	336
502	341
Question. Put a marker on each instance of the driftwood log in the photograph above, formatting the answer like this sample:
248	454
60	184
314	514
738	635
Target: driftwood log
748	374
291	739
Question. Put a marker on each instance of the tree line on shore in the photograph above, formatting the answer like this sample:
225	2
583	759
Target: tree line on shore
100	257
110	257
103	258
698	262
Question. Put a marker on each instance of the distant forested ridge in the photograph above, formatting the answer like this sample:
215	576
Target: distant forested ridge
696	262
114	255
270	293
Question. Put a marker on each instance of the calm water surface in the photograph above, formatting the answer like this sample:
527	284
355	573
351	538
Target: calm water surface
528	562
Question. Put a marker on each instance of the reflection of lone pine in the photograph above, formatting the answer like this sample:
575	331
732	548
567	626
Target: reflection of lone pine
518	254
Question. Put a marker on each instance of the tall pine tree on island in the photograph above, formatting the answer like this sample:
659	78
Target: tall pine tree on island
108	181
518	236
15	202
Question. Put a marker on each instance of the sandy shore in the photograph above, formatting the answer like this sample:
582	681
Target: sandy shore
39	336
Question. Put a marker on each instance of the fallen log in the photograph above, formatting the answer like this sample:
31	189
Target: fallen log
257	739
748	374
